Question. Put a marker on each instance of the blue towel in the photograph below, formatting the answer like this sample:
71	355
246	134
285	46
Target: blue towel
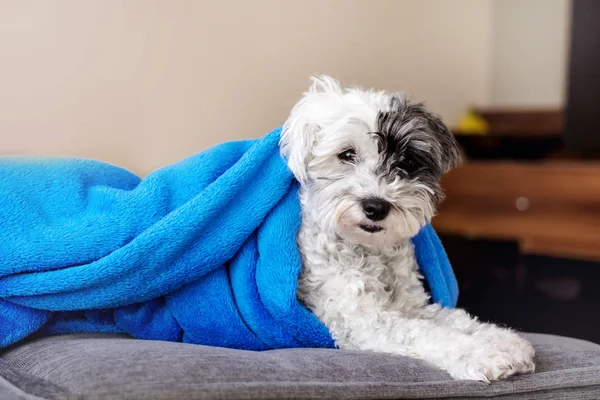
203	251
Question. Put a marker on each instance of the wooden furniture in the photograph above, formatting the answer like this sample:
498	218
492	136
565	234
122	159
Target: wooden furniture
523	122
549	207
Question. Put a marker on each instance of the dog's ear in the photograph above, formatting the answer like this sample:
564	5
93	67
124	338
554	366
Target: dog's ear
446	147
450	151
305	122
297	140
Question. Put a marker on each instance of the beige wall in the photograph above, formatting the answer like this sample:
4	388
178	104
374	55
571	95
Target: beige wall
530	40
143	83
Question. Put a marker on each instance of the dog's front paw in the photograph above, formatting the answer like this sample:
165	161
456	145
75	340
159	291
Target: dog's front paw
490	358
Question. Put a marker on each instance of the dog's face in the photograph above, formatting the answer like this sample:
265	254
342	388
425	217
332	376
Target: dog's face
369	162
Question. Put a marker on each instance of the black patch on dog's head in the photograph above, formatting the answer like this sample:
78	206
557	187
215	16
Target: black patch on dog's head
415	144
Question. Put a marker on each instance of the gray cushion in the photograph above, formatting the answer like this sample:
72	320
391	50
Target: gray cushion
112	366
16	384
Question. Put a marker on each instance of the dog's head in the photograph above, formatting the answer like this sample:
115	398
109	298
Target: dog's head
369	162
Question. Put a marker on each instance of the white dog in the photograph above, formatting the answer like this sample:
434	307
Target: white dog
369	164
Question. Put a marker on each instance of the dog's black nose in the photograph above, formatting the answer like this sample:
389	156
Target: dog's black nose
375	209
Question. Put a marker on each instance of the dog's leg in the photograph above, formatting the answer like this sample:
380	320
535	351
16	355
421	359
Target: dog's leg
490	335
449	339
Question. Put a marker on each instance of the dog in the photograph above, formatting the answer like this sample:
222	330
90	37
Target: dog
369	164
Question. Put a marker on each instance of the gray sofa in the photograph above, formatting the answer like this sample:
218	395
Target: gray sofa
116	367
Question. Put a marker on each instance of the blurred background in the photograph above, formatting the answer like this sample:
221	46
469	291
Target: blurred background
144	83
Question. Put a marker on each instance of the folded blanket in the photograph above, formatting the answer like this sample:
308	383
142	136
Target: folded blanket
203	251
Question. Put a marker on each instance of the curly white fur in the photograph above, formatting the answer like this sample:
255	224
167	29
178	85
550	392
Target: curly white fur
360	276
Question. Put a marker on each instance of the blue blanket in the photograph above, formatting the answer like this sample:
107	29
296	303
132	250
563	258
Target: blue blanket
203	251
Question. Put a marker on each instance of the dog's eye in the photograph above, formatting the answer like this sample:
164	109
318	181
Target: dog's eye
409	166
347	156
412	163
